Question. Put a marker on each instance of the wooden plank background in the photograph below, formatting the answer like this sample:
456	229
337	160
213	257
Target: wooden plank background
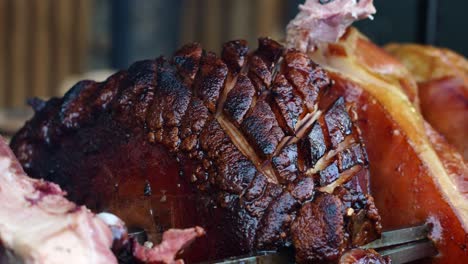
42	42
40	57
3	59
213	22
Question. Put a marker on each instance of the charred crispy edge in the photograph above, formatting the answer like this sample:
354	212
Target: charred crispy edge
267	54
210	80
46	126
140	81
125	88
169	101
271	58
323	218
238	100
351	137
264	237
187	61
234	55
232	129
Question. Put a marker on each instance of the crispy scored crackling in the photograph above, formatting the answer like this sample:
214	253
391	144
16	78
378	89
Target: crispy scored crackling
239	144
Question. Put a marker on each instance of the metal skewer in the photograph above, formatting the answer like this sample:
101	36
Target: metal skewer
402	246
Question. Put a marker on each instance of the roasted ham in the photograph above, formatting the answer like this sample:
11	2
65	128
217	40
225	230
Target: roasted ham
264	149
243	145
416	176
442	77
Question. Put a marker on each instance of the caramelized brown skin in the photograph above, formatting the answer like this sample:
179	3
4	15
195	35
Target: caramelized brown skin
416	177
319	226
444	104
404	191
442	77
230	144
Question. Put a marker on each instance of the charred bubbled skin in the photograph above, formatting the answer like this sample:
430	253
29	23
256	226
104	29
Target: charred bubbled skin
242	133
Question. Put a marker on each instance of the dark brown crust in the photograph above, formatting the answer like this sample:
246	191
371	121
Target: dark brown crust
314	146
234	55
298	69
239	99
210	80
261	129
286	164
317	232
157	128
187	60
338	122
287	104
234	171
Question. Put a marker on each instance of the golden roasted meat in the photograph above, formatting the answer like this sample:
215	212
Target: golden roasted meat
442	77
415	176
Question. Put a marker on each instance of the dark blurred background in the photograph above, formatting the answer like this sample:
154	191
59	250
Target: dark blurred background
46	45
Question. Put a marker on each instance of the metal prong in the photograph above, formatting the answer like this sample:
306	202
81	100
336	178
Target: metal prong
410	252
399	236
265	257
138	234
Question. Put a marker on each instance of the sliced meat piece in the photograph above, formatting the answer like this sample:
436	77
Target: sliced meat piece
262	62
317	232
259	73
239	100
353	155
256	188
234	170
234	54
303	189
193	122
142	75
328	175
209	82
262	129
269	50
171	100
187	61
287	104
109	89
314	146
338	122
256	205
306	77
132	104
285	164
275	224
